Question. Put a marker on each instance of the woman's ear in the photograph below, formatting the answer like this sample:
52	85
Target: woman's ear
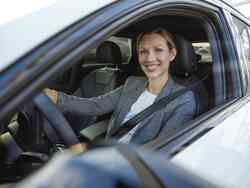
173	53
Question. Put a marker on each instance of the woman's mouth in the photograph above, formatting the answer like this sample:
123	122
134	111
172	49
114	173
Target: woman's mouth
151	67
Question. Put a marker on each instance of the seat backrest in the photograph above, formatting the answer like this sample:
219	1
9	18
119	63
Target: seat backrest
184	71
103	80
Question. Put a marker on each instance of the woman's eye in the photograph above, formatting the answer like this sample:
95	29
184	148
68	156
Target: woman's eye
159	50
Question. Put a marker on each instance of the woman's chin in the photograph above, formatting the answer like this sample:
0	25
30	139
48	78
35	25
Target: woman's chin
152	75
156	75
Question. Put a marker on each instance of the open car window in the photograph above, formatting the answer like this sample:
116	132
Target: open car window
203	49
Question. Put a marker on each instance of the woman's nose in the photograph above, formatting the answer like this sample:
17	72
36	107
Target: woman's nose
151	56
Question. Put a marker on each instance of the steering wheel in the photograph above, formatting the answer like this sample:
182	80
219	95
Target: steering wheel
56	120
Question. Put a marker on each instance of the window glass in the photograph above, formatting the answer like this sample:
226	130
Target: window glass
245	40
245	43
203	49
243	32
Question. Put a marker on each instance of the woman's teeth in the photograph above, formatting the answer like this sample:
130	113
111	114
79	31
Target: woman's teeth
151	67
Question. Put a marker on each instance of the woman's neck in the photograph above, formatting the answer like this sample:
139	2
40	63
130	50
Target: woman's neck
155	85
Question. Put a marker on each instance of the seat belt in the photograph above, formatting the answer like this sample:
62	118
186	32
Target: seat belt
120	131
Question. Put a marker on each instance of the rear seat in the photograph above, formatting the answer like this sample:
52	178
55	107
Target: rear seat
185	70
100	81
103	80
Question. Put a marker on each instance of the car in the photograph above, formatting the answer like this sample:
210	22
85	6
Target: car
56	47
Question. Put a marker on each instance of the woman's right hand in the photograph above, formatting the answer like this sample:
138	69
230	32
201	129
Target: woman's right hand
52	94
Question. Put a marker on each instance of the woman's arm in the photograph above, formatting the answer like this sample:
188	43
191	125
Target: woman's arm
177	119
85	106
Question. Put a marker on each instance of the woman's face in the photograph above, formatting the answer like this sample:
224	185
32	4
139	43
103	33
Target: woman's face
155	56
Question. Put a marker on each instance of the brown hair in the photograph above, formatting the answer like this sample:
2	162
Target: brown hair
163	32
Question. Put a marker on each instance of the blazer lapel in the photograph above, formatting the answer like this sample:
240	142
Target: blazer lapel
167	89
128	99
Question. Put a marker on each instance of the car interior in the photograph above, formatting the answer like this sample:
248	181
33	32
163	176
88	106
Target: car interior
115	60
104	68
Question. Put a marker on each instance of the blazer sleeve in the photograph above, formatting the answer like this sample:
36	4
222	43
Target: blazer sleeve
182	113
89	106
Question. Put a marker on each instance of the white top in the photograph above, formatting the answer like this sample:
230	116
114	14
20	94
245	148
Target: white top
144	101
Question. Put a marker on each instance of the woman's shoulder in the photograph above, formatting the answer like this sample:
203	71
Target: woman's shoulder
188	92
179	84
136	80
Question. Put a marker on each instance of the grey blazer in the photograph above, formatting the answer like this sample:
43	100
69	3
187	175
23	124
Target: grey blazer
119	101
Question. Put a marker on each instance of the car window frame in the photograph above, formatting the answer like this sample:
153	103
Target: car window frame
69	56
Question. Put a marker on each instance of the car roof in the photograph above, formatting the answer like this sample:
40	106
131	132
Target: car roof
22	34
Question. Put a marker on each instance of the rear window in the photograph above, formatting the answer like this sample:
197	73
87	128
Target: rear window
203	49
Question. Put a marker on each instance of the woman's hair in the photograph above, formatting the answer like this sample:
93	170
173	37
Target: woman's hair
163	32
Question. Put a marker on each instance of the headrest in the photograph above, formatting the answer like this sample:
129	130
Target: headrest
109	53
185	62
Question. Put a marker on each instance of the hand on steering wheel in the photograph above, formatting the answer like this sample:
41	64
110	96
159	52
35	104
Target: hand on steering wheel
52	94
57	121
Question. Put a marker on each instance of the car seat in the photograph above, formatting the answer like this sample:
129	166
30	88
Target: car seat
100	81
103	80
184	70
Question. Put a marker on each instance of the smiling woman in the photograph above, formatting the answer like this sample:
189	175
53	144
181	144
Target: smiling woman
156	50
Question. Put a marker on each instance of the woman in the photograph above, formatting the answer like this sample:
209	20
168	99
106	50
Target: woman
156	50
